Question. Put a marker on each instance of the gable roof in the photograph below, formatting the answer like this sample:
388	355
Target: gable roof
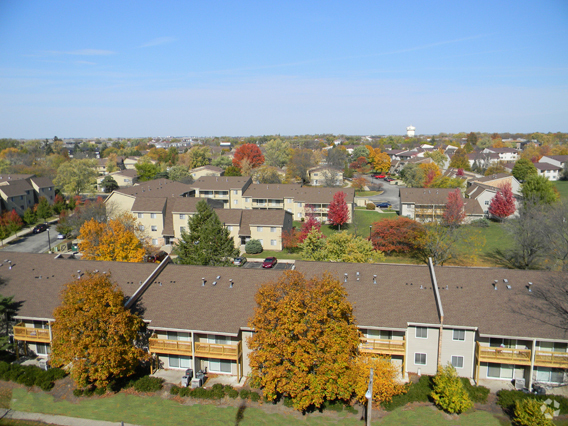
425	195
157	188
221	183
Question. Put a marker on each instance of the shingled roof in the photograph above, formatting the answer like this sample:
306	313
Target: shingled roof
425	195
157	188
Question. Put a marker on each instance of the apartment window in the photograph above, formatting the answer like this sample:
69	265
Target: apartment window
21	197
236	192
229	228
220	366
247	200
182	216
422	332
179	361
288	200
273	229
154	241
457	361
182	229
500	371
260	241
141	227
140	215
419	359
272	242
154	228
299	204
502	343
379	334
459	335
175	335
549	375
259	229
235	202
43	349
152	215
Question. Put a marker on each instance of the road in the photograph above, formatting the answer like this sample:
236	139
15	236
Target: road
33	243
390	193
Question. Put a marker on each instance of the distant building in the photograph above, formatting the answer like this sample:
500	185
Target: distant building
410	131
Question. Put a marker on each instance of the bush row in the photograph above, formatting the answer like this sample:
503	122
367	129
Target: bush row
143	384
30	375
507	399
218	391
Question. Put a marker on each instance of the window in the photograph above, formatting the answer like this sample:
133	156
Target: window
220	366
549	375
182	216
247	200
272	242
229	228
235	202
419	359
273	229
288	200
315	174
422	332
175	335
152	215
178	361
259	229
140	215
236	192
486	202
43	348
459	335
379	334
500	371
260	240
141	227
299	204
154	228
155	242
502	343
457	361
182	229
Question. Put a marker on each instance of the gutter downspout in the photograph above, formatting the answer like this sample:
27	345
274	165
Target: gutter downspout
440	309
533	355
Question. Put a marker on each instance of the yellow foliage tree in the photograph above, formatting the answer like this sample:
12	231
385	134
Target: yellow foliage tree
94	332
431	172
381	161
385	381
114	241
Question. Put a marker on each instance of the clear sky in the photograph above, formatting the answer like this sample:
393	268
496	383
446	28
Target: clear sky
239	68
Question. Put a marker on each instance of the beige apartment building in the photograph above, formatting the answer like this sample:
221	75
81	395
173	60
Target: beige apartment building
20	191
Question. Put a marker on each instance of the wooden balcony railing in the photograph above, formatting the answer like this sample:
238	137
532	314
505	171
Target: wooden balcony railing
28	334
171	347
551	359
386	347
504	355
216	350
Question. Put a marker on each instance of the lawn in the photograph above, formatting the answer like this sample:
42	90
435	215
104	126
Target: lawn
562	187
154	410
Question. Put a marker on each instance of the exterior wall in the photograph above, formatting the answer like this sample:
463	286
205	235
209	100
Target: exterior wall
246	352
179	221
407	210
428	346
268	235
120	202
465	349
19	202
147	222
48	192
549	174
196	174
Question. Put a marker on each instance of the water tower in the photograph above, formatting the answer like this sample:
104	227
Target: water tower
410	131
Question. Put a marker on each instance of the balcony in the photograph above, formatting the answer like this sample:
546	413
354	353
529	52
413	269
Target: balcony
383	347
28	334
503	355
216	350
171	347
551	359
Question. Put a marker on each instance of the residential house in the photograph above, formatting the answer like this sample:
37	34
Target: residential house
429	204
124	178
499	179
325	176
206	171
505	154
548	170
556	160
21	191
482	159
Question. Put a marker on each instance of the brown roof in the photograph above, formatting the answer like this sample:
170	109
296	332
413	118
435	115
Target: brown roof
425	195
472	207
11	177
14	188
207	167
144	204
157	188
126	172
306	194
476	189
42	182
547	166
490	178
561	158
230	216
221	183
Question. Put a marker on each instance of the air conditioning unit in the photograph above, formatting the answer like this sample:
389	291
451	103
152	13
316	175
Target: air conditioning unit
520	384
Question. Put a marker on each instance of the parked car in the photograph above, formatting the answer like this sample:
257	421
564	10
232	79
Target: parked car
239	261
383	205
60	236
157	258
381	176
388	179
40	228
269	262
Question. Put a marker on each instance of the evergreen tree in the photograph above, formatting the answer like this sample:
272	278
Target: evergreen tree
109	184
208	241
30	217
43	209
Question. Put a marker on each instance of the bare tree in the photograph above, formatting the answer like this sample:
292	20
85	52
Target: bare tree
556	233
331	178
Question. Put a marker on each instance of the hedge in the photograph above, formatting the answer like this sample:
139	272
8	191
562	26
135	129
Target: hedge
30	375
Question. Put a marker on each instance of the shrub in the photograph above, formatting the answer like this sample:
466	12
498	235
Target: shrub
185	392
46	385
528	413
148	384
78	392
287	401
477	394
417	392
30	375
480	223
174	390
89	391
202	393
254	396
508	398
449	393
370	206
233	393
253	247
100	391
244	394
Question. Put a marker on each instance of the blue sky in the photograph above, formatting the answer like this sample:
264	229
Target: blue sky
240	68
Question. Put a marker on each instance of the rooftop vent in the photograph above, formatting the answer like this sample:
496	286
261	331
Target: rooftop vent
214	282
231	283
345	278
495	286
218	277
508	287
375	279
505	280
202	282
421	286
358	275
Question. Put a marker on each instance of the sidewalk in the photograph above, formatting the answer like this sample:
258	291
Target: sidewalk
56	420
24	231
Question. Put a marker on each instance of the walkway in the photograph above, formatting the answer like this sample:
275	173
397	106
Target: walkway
56	420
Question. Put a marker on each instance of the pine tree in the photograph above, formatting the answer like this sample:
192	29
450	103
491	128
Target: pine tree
43	209
503	204
208	242
338	212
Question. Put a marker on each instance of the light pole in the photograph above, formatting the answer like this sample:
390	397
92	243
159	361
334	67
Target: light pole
370	228
369	396
48	240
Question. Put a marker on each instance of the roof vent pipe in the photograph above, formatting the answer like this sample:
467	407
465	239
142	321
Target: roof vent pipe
495	286
374	279
345	278
358	276
231	283
214	282
202	282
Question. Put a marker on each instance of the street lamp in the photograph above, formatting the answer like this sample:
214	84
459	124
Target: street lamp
370	228
369	396
48	240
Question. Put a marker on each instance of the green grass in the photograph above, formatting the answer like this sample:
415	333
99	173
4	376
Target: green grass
562	187
367	193
430	416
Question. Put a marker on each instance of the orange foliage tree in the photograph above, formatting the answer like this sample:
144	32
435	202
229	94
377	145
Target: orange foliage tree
381	161
385	383
94	332
359	183
396	235
431	172
305	340
114	241
248	151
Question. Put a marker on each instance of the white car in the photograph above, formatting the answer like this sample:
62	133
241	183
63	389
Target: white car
60	236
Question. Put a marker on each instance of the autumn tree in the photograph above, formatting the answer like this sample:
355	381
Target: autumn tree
12	221
430	171
398	235
180	173
338	211
503	203
197	156
72	223
359	183
208	242
472	139
300	162
454	214
460	160
524	168
412	176
267	174
437	157
339	247
385	382
251	153
290	240
76	176
309	223
232	171
114	241
336	157
277	152
305	340
495	169
449	393
380	161
94	333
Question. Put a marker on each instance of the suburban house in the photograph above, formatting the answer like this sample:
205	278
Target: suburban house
483	159
489	323
429	204
124	178
130	162
206	171
20	191
102	164
548	170
325	176
499	179
556	160
398	165
505	154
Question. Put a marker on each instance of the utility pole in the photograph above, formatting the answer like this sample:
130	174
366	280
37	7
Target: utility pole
369	396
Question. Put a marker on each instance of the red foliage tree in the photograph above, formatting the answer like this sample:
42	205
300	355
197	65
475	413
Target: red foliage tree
290	239
455	213
459	172
338	211
251	152
12	221
311	222
396	235
503	204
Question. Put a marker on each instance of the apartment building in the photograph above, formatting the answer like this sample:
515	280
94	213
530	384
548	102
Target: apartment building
429	204
20	191
124	178
489	323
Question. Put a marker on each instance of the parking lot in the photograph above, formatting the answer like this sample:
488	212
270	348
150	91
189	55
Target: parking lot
252	264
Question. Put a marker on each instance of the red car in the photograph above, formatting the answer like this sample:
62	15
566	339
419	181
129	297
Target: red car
377	176
269	262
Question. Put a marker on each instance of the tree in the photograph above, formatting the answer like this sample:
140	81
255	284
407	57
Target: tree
495	169
208	242
248	151
430	171
59	204
454	214
277	152
398	235
76	176
359	183
300	162
503	203
556	233
341	247
331	178
524	168
360	151
7	309
30	217
437	157
385	382
94	332
539	189
338	211
114	241
305	340
290	240
108	184
72	223
43	209
460	160
146	170
529	412
310	222
232	171
253	246
472	138
449	393
179	173
447	182
267	174
337	157
197	156
222	161
412	175
12	221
